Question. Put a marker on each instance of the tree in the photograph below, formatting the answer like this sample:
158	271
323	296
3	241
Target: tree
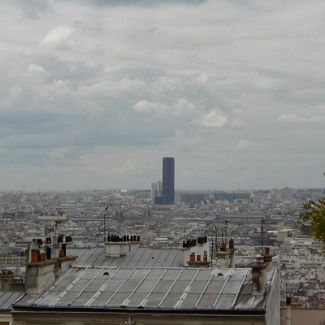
314	212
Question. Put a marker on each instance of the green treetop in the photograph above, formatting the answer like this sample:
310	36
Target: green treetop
315	214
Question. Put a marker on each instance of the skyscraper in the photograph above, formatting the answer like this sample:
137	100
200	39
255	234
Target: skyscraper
168	180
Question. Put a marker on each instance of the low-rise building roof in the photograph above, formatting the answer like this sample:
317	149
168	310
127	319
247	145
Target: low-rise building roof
139	257
143	289
7	298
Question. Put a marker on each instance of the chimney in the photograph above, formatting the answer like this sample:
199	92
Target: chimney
267	257
259	276
63	262
6	277
224	257
39	274
45	262
17	284
117	246
288	311
205	256
196	252
232	250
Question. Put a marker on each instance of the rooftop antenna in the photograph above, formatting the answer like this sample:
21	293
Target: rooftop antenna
262	233
222	239
147	215
105	214
211	251
226	232
56	219
216	235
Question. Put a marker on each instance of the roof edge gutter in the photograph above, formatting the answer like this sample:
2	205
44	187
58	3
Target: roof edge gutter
207	312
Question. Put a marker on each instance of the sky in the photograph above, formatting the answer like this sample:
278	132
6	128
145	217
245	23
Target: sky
93	93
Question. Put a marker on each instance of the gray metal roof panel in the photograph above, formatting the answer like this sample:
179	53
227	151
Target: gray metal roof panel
137	257
164	288
190	300
7	298
101	299
225	301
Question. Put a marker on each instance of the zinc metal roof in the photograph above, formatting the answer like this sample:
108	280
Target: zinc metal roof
7	298
137	257
177	289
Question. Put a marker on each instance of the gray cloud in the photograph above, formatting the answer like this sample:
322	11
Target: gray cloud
33	9
232	89
144	3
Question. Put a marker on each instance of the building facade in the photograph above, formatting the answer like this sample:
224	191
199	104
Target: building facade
156	190
169	180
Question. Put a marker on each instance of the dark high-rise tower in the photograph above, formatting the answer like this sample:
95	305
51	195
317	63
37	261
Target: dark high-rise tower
168	180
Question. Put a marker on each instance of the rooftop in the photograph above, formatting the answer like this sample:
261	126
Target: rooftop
7	298
144	289
138	257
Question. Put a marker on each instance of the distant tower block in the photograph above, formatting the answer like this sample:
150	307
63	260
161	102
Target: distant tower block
168	180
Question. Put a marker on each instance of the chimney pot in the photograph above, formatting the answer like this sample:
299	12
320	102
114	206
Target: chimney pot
288	300
192	257
205	256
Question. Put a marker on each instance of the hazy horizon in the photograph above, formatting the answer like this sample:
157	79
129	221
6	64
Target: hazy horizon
197	190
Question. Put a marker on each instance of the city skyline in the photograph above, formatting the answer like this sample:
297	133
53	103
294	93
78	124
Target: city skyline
93	93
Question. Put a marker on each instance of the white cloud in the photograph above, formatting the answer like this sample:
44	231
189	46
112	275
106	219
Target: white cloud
35	68
214	119
245	145
145	106
180	107
125	168
58	38
217	118
183	106
108	86
202	78
297	119
166	83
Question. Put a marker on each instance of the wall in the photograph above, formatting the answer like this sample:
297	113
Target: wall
5	319
304	316
39	275
273	302
123	318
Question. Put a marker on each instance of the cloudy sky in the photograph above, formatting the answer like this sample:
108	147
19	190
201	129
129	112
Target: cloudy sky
93	93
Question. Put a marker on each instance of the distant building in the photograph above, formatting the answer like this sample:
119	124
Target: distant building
156	190
168	180
12	260
163	192
159	200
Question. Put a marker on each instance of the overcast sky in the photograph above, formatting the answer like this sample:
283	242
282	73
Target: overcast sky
93	93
